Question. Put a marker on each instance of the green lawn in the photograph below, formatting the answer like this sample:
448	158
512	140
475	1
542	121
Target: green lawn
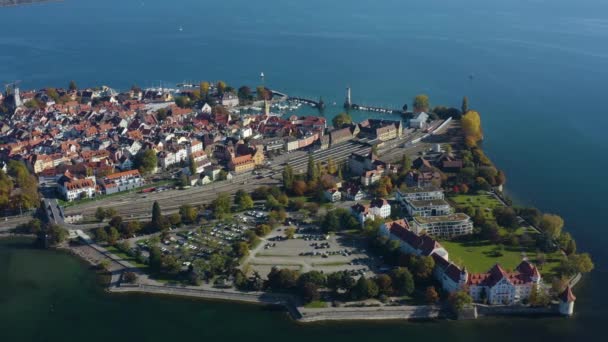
480	256
317	304
486	202
126	257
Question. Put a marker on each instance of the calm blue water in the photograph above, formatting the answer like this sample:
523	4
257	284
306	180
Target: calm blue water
540	74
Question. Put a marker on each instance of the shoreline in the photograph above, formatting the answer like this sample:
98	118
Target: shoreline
298	314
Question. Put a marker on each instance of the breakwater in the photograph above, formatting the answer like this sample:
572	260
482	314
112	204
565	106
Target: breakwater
9	3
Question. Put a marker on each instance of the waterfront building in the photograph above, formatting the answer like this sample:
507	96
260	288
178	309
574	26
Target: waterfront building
497	286
445	226
566	302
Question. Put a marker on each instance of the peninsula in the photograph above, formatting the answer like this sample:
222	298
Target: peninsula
205	190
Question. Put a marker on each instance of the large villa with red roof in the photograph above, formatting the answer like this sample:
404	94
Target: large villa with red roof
497	286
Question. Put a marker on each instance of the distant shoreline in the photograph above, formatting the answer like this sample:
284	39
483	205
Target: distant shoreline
14	3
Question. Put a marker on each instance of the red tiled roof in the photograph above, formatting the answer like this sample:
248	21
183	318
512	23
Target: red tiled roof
567	296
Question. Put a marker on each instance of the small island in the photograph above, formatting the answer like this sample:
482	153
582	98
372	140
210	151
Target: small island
214	192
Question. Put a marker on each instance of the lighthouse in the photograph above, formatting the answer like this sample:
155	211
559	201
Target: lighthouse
348	103
566	302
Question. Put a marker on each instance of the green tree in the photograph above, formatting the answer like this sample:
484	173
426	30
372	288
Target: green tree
72	86
100	214
423	266
551	225
332	167
161	114
157	217
221	87
191	165
282	279
288	177
204	88
310	292
341	120
188	213
182	101
406	164
146	161
241	249
314	277
101	235
459	300
577	263
465	105
262	93
55	234
312	171
113	236
364	289
471	125
243	200
421	103
384	284
290	232
6	187
221	206
244	94
403	281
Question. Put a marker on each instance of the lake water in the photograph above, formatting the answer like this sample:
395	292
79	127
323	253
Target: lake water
540	74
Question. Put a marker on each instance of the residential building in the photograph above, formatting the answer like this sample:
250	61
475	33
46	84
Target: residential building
378	208
332	195
427	208
121	181
72	189
352	192
419	194
445	226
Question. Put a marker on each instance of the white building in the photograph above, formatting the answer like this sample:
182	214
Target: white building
419	194
498	286
445	226
122	181
378	208
72	189
333	195
427	208
566	302
419	120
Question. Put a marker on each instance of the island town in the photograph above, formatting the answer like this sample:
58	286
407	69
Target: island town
205	190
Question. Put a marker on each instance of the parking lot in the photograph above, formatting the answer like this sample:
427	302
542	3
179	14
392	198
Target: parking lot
311	250
188	245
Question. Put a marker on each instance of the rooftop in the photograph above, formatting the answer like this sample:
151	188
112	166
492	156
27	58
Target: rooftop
445	218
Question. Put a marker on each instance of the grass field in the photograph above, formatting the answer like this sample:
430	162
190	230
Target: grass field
317	304
480	256
486	202
126	257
